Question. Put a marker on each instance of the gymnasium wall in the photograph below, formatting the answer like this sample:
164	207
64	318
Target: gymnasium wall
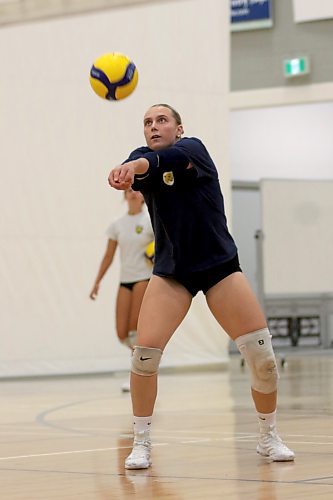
289	142
281	127
298	236
280	136
21	11
257	56
59	142
307	10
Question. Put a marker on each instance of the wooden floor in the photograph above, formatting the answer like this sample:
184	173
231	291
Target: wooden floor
67	438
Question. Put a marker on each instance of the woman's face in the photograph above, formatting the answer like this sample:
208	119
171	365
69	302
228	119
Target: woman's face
160	128
133	196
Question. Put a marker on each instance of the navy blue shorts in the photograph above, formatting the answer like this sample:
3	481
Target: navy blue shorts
204	280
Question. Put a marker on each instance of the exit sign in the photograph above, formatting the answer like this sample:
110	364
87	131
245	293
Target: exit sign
297	66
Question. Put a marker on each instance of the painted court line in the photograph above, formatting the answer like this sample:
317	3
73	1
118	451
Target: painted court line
72	452
190	440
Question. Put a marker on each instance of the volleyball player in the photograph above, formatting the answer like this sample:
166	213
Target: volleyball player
131	233
194	252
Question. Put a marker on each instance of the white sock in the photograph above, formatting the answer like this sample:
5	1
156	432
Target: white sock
141	424
266	420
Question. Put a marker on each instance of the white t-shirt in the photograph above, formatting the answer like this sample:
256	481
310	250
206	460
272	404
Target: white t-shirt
133	233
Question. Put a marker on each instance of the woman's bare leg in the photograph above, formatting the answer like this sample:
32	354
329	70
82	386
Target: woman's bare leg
237	310
138	292
163	308
128	305
123	308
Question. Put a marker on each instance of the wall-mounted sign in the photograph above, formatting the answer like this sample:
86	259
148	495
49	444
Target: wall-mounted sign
298	66
250	14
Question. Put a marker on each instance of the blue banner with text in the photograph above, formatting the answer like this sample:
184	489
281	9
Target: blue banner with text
250	10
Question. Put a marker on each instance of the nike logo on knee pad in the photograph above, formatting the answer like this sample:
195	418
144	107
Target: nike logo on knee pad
146	360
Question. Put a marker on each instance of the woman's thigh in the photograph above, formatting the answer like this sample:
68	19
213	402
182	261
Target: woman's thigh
123	309
164	306
235	306
138	292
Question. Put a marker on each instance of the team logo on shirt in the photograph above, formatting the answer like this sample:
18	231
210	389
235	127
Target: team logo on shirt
168	178
138	229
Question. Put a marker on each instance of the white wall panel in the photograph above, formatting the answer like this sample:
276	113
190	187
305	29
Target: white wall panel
310	10
59	142
282	142
298	236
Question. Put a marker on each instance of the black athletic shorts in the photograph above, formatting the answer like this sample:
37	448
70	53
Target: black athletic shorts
204	280
129	286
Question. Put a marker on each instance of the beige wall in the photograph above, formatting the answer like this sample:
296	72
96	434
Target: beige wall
59	142
257	56
21	11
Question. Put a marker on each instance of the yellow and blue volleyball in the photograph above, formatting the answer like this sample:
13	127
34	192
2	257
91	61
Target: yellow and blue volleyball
150	251
113	76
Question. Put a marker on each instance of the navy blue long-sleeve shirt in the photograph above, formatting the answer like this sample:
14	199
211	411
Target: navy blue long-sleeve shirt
186	208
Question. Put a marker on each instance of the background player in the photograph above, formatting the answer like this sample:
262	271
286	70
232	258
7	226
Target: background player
131	233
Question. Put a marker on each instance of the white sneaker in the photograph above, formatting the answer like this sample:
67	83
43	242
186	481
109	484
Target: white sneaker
126	387
270	445
140	456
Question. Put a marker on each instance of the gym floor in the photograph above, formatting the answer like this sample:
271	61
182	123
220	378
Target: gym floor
67	437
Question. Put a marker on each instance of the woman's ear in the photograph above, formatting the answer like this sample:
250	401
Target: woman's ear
180	131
